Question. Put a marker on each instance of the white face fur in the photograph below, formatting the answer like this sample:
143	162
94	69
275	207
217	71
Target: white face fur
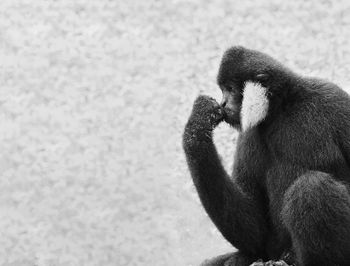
254	105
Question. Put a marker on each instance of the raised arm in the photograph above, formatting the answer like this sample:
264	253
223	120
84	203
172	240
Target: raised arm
235	212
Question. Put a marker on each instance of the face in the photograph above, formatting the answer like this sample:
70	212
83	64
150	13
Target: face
231	103
245	108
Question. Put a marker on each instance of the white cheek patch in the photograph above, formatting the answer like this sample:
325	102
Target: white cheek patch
254	105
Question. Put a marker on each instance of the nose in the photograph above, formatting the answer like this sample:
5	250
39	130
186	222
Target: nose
223	102
225	97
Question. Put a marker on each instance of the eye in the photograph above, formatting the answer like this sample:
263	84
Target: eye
230	88
262	76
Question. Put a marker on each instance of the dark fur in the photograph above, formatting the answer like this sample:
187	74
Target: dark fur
289	187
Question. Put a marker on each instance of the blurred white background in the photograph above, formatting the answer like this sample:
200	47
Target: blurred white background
93	99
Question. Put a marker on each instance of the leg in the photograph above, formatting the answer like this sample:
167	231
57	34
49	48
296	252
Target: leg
316	212
229	259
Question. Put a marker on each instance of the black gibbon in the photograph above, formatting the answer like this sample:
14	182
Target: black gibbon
288	193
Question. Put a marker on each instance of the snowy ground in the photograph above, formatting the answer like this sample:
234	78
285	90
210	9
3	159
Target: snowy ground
94	96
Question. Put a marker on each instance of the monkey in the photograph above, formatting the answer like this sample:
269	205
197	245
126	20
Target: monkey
289	188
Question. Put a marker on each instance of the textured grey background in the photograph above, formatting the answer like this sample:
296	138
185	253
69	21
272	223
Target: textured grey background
93	99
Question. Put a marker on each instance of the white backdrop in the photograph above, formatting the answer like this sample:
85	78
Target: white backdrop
93	99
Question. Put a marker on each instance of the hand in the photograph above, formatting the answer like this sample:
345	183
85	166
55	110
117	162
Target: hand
206	113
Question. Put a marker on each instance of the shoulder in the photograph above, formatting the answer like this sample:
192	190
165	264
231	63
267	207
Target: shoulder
250	148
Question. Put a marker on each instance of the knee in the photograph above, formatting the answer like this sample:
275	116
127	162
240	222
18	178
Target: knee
316	212
313	198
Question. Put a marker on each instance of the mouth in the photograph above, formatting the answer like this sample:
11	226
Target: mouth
232	118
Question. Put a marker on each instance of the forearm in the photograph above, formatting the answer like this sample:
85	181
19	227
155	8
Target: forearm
237	216
207	172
